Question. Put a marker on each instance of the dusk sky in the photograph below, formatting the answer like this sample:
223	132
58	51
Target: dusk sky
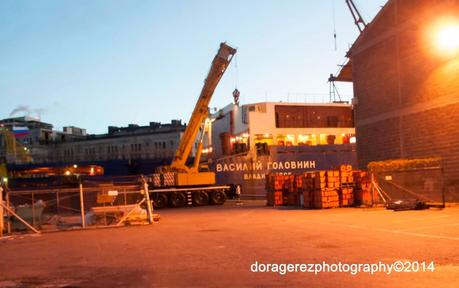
92	63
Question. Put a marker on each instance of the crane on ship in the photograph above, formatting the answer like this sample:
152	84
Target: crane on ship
360	24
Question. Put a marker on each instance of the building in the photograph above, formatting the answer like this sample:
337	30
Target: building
20	134
406	85
246	142
156	142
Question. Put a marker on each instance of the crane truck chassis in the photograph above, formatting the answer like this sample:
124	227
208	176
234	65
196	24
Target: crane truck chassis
190	196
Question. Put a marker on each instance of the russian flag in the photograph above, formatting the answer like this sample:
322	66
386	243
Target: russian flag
20	131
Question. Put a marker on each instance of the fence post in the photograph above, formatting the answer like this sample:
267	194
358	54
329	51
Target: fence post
1	212
83	223
147	197
33	210
443	197
58	203
372	189
7	212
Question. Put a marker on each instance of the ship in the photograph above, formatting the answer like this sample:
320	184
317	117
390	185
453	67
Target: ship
245	143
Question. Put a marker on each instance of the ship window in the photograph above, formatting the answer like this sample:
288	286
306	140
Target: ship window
323	139
280	140
264	138
262	149
294	116
305	140
239	148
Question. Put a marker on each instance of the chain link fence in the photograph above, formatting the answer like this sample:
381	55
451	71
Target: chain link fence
88	205
422	184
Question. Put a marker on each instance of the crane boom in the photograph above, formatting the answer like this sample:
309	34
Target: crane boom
200	112
358	20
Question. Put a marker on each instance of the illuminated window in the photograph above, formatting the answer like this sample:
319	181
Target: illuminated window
264	138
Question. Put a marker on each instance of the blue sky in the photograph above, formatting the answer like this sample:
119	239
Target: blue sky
95	63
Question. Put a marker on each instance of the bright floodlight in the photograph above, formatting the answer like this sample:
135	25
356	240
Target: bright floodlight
448	38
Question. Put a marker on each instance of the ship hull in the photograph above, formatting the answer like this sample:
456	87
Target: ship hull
250	171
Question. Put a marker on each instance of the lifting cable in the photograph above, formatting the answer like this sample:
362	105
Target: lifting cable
334	24
236	92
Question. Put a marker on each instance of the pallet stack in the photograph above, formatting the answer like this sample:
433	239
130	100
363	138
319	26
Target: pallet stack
278	198
320	189
346	174
346	196
290	195
362	188
325	198
346	191
281	189
325	194
307	187
333	180
274	187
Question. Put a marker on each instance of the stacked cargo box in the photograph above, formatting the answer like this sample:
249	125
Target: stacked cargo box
325	198
290	196
346	174
274	186
307	187
281	190
346	196
333	180
362	188
319	189
346	191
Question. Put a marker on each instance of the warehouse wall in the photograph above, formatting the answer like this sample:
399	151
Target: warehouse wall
407	93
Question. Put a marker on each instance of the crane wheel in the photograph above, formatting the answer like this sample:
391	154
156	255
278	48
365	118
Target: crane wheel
177	199
200	198
159	200
218	197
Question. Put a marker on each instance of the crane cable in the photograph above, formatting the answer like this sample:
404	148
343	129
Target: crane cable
236	92
334	23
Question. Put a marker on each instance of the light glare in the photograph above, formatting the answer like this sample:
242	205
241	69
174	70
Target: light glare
448	38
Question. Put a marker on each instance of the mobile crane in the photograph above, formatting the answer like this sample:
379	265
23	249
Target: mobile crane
179	184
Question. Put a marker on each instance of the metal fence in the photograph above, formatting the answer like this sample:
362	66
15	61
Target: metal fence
89	205
423	184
